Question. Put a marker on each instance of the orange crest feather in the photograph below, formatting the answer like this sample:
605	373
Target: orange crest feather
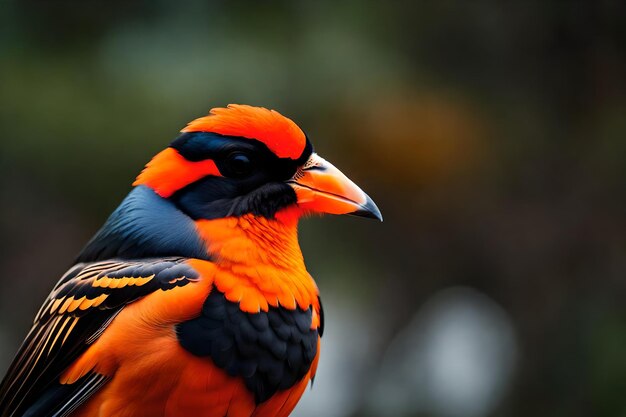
279	133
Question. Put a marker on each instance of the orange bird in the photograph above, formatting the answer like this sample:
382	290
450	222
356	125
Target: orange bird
193	299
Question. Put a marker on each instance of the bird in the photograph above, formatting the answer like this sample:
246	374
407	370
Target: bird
193	298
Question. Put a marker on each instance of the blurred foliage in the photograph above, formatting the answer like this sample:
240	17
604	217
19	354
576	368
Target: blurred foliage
491	134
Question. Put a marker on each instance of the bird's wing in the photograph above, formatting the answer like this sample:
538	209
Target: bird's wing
80	307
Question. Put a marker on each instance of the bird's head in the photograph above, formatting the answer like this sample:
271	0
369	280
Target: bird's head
250	160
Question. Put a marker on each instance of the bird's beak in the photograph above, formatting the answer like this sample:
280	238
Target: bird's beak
322	188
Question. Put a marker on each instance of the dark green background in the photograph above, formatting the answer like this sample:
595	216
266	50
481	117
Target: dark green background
492	135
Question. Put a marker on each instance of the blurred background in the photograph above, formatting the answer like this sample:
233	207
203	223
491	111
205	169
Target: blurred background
492	135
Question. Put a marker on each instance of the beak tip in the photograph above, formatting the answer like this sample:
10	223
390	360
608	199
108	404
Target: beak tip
369	210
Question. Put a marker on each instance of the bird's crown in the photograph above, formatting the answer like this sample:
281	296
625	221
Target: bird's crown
279	133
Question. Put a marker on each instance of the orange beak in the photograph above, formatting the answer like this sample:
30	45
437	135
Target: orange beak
322	188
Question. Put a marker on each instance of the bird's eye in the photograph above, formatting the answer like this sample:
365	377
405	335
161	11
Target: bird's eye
239	165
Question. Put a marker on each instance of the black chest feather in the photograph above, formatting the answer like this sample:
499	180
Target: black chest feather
271	351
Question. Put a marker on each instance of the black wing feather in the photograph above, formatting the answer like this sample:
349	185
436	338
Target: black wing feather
80	307
60	400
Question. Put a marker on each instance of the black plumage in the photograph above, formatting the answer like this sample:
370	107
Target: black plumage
271	350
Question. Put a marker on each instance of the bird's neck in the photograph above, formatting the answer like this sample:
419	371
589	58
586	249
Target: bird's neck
260	261
252	239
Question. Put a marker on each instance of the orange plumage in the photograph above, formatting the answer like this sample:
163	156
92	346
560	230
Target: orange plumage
280	134
193	299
